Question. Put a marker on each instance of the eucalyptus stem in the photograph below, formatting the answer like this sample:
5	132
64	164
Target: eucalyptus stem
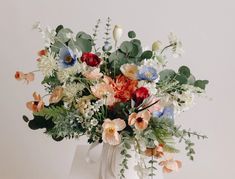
167	47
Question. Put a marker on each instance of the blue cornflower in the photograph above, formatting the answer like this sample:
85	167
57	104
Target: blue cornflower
66	57
168	112
147	73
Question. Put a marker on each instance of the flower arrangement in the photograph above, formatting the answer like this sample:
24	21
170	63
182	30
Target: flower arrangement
118	94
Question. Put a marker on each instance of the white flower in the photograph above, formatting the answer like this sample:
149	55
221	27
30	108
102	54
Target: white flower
49	36
151	86
152	63
94	122
156	46
117	33
176	45
47	64
71	91
37	26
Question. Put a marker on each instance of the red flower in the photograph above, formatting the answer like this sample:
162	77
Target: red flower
124	88
90	59
139	95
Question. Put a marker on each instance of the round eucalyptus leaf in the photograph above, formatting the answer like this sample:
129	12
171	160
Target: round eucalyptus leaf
126	47
146	54
201	83
191	80
58	28
63	35
131	34
167	74
184	70
181	79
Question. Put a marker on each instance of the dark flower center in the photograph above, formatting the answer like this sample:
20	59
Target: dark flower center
36	103
68	59
139	119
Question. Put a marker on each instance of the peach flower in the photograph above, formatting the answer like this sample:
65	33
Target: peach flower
129	70
36	105
104	91
93	74
56	95
110	131
170	165
28	77
157	151
140	120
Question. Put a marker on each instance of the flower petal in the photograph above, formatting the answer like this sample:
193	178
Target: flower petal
120	124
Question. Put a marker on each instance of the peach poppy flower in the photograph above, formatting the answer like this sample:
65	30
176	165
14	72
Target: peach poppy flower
170	165
28	77
93	74
56	95
139	120
36	105
110	133
104	91
157	151
129	70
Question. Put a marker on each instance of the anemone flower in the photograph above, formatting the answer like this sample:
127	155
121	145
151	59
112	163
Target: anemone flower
56	95
110	131
147	73
36	105
66	57
139	120
156	152
170	165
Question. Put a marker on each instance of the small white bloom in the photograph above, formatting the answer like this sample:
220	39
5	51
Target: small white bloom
49	36
47	64
117	33
177	48
94	122
37	26
156	46
71	91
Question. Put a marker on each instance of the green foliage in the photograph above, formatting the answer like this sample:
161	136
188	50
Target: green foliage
62	35
50	82
131	34
58	28
167	74
146	55
201	83
124	164
53	112
126	47
184	70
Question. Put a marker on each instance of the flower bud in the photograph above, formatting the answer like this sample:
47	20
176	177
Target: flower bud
156	46
117	33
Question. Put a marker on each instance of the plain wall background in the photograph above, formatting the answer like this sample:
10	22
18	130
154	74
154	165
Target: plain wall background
206	28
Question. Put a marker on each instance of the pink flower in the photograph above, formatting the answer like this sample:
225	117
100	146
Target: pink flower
28	77
170	165
36	105
157	151
110	131
93	74
56	95
139	120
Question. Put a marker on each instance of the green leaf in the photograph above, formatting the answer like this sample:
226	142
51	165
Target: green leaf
83	35
25	118
181	79
184	70
146	54
131	34
63	35
201	83
191	80
84	44
126	47
58	28
167	74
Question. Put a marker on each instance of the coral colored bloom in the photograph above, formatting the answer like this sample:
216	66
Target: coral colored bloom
42	53
124	88
139	95
110	133
90	59
129	70
36	105
93	74
170	165
157	151
28	77
56	95
139	120
19	75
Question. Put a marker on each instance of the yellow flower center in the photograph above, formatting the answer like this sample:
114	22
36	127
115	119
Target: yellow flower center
148	74
68	59
111	130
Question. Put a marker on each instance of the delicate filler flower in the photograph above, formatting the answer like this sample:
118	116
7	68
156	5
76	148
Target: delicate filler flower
147	73
117	33
110	133
124	88
139	95
129	70
92	73
56	95
170	165
90	59
177	48
71	91
139	120
47	64
49	36
36	105
156	152
28	77
66	57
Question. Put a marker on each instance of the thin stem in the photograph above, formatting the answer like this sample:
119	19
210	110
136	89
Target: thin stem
167	47
148	106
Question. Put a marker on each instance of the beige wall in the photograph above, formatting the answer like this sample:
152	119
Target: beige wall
207	30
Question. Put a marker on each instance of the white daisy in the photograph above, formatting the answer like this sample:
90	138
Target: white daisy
177	48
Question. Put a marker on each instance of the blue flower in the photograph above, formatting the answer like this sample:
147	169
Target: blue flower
168	112
147	73
66	57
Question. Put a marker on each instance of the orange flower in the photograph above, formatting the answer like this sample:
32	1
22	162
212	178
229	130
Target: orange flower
56	95
124	88
42	53
157	151
170	165
28	77
140	120
110	131
36	105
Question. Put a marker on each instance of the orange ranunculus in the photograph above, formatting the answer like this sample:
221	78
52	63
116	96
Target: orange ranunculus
36	105
110	133
28	77
124	88
56	95
170	165
157	151
139	120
